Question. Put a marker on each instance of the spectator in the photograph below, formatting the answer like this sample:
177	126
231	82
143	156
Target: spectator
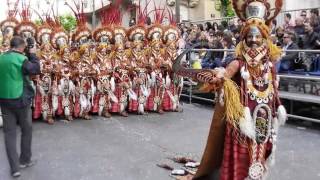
215	27
227	43
273	26
240	23
304	17
279	35
315	20
232	26
208	26
16	95
288	24
299	28
236	35
288	59
311	39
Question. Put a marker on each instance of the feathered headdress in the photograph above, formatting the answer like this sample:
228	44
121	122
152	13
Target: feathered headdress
259	14
82	32
105	33
138	32
45	29
155	31
59	38
26	27
171	32
11	22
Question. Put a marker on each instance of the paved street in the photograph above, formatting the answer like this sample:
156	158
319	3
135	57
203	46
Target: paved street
129	148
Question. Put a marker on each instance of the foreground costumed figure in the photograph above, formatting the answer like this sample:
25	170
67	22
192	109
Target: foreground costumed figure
243	133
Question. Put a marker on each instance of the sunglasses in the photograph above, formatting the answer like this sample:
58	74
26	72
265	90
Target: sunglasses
303	15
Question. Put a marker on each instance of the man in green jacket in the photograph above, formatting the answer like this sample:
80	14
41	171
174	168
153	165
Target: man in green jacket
16	94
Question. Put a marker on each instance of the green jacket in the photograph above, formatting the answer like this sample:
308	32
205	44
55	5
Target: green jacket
11	76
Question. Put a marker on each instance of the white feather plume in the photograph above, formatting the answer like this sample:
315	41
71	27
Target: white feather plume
282	115
244	73
153	78
246	124
112	84
168	81
66	111
54	103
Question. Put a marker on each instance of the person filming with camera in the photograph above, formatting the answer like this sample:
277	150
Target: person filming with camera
16	94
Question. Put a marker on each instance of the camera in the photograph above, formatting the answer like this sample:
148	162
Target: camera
30	44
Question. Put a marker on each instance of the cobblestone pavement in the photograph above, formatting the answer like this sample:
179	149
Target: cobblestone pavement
129	148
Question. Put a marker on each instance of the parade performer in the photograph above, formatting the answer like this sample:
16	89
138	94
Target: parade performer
8	26
46	99
243	133
85	86
64	69
138	59
174	83
121	65
103	65
156	58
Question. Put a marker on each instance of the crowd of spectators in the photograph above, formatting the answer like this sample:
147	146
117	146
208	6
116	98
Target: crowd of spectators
300	32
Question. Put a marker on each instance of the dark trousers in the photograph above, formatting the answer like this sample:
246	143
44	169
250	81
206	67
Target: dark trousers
12	117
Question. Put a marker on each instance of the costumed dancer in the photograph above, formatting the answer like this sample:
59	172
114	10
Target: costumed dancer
138	59
85	86
174	83
243	134
121	64
7	28
46	99
156	58
103	65
64	59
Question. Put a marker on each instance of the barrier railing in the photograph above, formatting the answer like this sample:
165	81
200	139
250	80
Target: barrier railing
191	92
280	18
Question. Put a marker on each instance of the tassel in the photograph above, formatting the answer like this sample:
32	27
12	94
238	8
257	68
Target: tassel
112	84
246	124
101	105
141	108
144	91
244	73
121	107
266	77
233	107
66	111
54	103
113	97
44	115
153	78
132	94
168	81
282	115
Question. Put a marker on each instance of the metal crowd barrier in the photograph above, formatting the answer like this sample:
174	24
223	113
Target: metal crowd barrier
280	18
190	92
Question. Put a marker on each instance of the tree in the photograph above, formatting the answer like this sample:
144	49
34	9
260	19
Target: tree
68	22
227	9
